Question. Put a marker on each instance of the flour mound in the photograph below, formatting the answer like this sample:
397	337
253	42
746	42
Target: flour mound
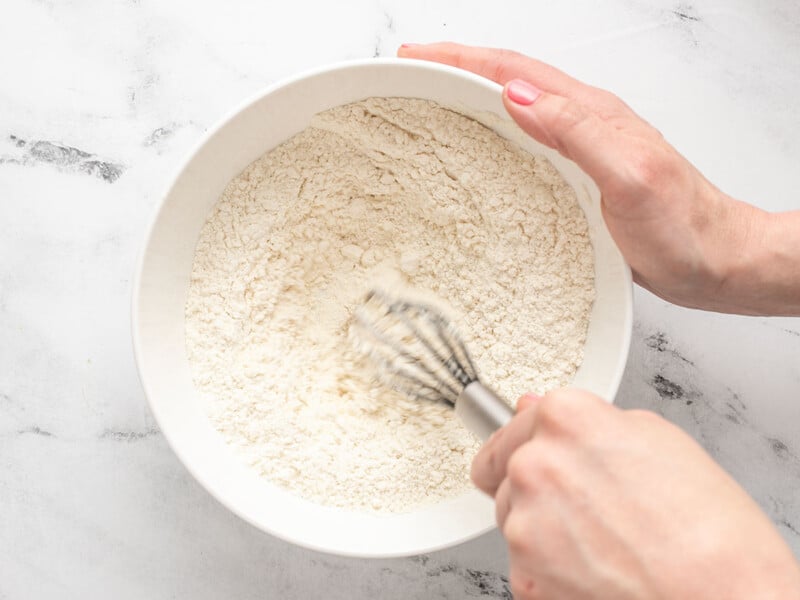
386	188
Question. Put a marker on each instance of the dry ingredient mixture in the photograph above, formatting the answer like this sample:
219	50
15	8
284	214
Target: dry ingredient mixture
386	189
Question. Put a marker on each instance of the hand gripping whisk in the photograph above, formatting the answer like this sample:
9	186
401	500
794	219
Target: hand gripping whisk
419	353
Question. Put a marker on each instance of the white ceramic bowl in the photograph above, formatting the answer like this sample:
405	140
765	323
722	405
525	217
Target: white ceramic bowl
162	279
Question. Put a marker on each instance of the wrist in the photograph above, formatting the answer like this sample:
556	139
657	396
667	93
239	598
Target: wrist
779	260
761	275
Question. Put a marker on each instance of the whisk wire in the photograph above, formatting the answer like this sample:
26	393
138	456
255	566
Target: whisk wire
458	354
454	362
436	389
419	352
422	311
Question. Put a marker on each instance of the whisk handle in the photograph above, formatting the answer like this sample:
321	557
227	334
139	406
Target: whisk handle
481	410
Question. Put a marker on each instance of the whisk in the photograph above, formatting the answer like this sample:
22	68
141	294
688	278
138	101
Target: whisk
419	353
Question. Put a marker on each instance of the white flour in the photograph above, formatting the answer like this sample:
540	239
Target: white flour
394	188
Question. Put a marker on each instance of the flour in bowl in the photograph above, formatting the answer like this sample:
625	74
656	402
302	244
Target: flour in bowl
383	189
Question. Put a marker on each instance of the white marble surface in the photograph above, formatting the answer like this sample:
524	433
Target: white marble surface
99	102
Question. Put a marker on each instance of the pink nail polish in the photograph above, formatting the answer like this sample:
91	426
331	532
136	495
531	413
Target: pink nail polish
521	92
410	45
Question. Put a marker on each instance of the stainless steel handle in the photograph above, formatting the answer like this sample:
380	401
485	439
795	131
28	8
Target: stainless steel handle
481	410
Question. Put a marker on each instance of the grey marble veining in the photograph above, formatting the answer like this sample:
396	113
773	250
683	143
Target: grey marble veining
65	158
99	103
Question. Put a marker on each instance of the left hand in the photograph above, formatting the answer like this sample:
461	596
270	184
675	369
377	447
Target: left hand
684	239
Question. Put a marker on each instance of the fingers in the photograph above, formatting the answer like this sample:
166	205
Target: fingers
502	502
493	63
527	401
567	126
489	465
557	110
565	412
502	66
503	495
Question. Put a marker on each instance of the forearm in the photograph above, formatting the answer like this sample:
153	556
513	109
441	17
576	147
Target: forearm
764	278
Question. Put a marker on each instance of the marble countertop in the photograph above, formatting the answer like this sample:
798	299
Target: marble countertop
99	103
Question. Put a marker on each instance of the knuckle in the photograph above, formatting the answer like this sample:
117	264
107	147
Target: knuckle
519	469
649	170
609	97
515	532
546	473
569	116
549	409
500	63
523	586
554	410
534	469
508	54
569	411
453	53
654	169
612	105
570	113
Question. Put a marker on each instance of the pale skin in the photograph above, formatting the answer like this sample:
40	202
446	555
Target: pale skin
603	503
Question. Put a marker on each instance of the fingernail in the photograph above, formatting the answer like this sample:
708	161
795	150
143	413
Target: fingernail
409	45
530	397
522	92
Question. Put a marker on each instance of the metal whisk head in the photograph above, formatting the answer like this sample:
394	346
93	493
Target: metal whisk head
417	350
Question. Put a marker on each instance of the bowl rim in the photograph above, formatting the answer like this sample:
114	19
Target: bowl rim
176	173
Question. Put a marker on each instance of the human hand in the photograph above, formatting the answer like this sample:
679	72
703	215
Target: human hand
684	239
596	502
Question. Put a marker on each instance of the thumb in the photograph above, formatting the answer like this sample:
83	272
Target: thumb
527	400
564	125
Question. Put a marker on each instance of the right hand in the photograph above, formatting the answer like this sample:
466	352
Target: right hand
684	239
601	503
